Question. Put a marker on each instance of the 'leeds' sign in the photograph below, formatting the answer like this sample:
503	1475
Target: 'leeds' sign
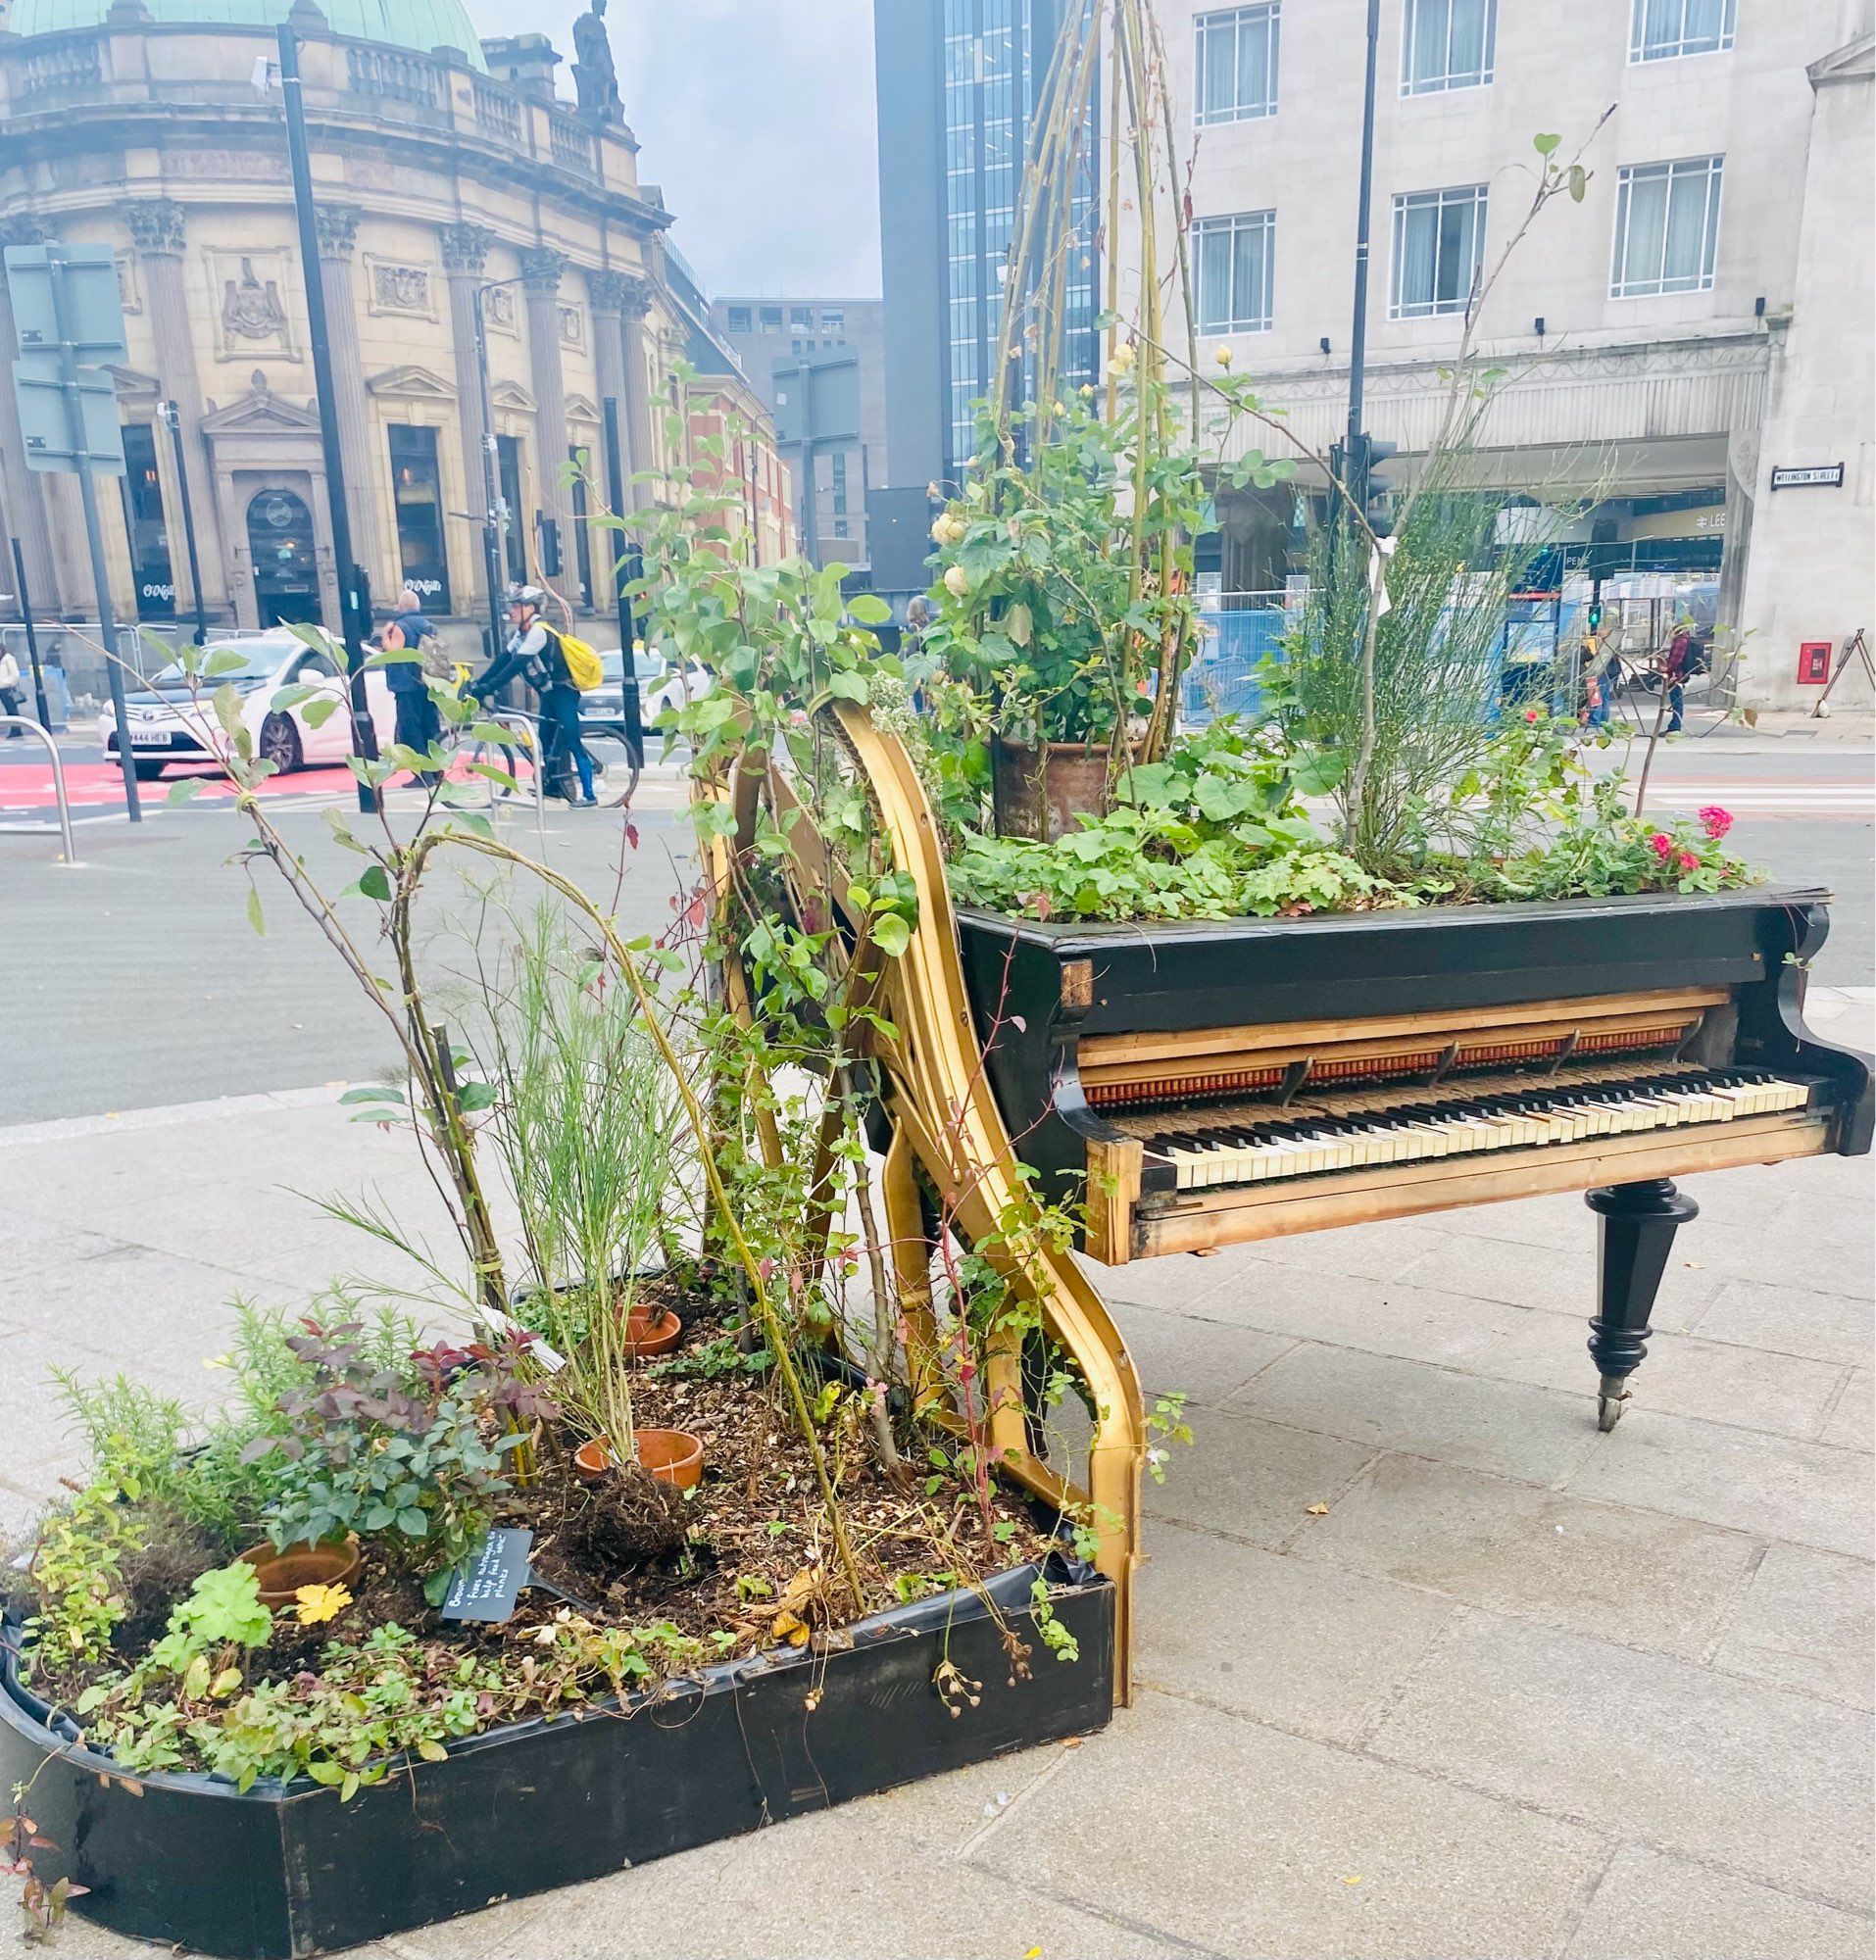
1814	475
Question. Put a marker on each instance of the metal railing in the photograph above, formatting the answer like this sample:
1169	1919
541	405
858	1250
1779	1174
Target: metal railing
28	726
528	727
1237	633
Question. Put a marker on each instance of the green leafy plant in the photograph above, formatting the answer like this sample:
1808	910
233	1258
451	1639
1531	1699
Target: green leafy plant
367	1449
77	1576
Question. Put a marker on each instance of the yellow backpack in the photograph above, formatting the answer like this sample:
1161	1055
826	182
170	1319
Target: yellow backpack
582	663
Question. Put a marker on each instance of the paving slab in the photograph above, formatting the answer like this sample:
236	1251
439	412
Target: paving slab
1633	1576
1199	1359
1671	1909
1788	1395
1306	1647
1808	1621
1394	1405
1244	1840
1824	1318
1554	1278
1807	1492
1764	1782
1251	1479
1852	1424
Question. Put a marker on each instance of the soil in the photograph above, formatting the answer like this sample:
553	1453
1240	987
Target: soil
748	1553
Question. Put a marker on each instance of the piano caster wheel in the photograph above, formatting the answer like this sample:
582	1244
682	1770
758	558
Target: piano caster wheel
1609	1405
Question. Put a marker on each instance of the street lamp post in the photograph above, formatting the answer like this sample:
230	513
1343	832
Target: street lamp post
172	419
494	538
1355	452
351	580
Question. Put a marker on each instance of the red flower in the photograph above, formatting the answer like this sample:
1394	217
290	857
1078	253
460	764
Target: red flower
1690	860
1530	714
1662	846
1715	821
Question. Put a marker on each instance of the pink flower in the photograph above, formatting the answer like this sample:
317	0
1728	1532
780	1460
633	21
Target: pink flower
1662	846
1690	860
1530	714
1715	821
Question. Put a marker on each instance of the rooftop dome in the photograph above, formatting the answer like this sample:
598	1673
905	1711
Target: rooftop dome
421	24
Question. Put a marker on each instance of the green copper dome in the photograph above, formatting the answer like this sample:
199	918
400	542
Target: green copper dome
421	24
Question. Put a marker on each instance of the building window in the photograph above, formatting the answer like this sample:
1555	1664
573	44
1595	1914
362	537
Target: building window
581	458
1237	265
739	319
1664	30
1667	228
800	320
1439	248
1236	64
833	320
839	460
508	483
1447	44
769	318
144	522
418	492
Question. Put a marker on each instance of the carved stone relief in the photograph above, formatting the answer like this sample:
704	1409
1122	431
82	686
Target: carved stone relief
250	316
399	288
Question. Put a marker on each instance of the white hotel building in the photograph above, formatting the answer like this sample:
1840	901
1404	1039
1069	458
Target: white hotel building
1700	319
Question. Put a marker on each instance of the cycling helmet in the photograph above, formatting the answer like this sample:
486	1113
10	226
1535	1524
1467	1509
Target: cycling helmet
526	594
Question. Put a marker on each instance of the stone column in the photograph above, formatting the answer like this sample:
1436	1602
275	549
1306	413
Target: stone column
541	270
635	304
608	293
337	225
157	230
25	510
466	249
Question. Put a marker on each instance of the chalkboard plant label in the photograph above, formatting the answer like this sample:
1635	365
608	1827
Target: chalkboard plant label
488	1581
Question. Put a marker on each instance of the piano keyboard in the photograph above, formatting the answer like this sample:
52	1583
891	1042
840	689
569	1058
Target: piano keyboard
1257	1144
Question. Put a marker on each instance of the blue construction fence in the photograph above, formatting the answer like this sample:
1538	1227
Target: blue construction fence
1244	630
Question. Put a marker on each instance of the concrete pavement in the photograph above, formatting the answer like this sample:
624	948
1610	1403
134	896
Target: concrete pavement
1522	1690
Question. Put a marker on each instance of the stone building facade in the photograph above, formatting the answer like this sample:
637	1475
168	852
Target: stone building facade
450	181
1701	315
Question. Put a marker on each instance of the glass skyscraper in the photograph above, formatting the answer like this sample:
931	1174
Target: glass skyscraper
959	85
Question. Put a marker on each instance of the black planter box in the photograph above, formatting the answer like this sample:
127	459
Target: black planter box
288	1869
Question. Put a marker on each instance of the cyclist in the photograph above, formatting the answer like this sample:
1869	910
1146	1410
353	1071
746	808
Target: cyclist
533	656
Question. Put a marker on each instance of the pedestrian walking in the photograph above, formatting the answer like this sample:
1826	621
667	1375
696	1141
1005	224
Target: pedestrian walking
533	655
418	726
1676	665
10	691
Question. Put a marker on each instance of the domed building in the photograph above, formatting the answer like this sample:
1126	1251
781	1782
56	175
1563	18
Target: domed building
453	183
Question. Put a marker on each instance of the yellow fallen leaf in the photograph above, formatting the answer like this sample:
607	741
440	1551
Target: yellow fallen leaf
1355	1881
1318	1511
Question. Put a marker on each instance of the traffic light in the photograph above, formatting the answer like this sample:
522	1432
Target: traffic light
1595	615
1378	490
550	545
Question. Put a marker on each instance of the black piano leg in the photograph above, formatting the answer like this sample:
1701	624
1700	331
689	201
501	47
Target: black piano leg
1636	1228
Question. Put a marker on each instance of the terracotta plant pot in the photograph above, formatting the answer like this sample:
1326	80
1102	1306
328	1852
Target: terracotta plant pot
652	1331
282	1572
672	1456
1045	790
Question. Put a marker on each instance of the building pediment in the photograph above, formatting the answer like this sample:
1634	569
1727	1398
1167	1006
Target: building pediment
1854	61
410	383
135	385
260	412
582	408
512	397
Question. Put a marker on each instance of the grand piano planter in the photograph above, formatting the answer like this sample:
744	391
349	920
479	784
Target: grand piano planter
1224	1083
283	1871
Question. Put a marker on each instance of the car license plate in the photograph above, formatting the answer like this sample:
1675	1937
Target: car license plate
149	738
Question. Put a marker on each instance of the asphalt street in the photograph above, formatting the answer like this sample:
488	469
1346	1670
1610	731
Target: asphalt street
137	981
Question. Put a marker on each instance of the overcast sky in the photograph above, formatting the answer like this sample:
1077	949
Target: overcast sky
755	117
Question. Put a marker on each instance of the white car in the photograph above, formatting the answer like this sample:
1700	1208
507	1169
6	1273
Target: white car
167	723
602	711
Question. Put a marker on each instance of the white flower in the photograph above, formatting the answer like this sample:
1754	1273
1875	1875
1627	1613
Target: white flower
941	528
1122	358
957	582
1223	354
